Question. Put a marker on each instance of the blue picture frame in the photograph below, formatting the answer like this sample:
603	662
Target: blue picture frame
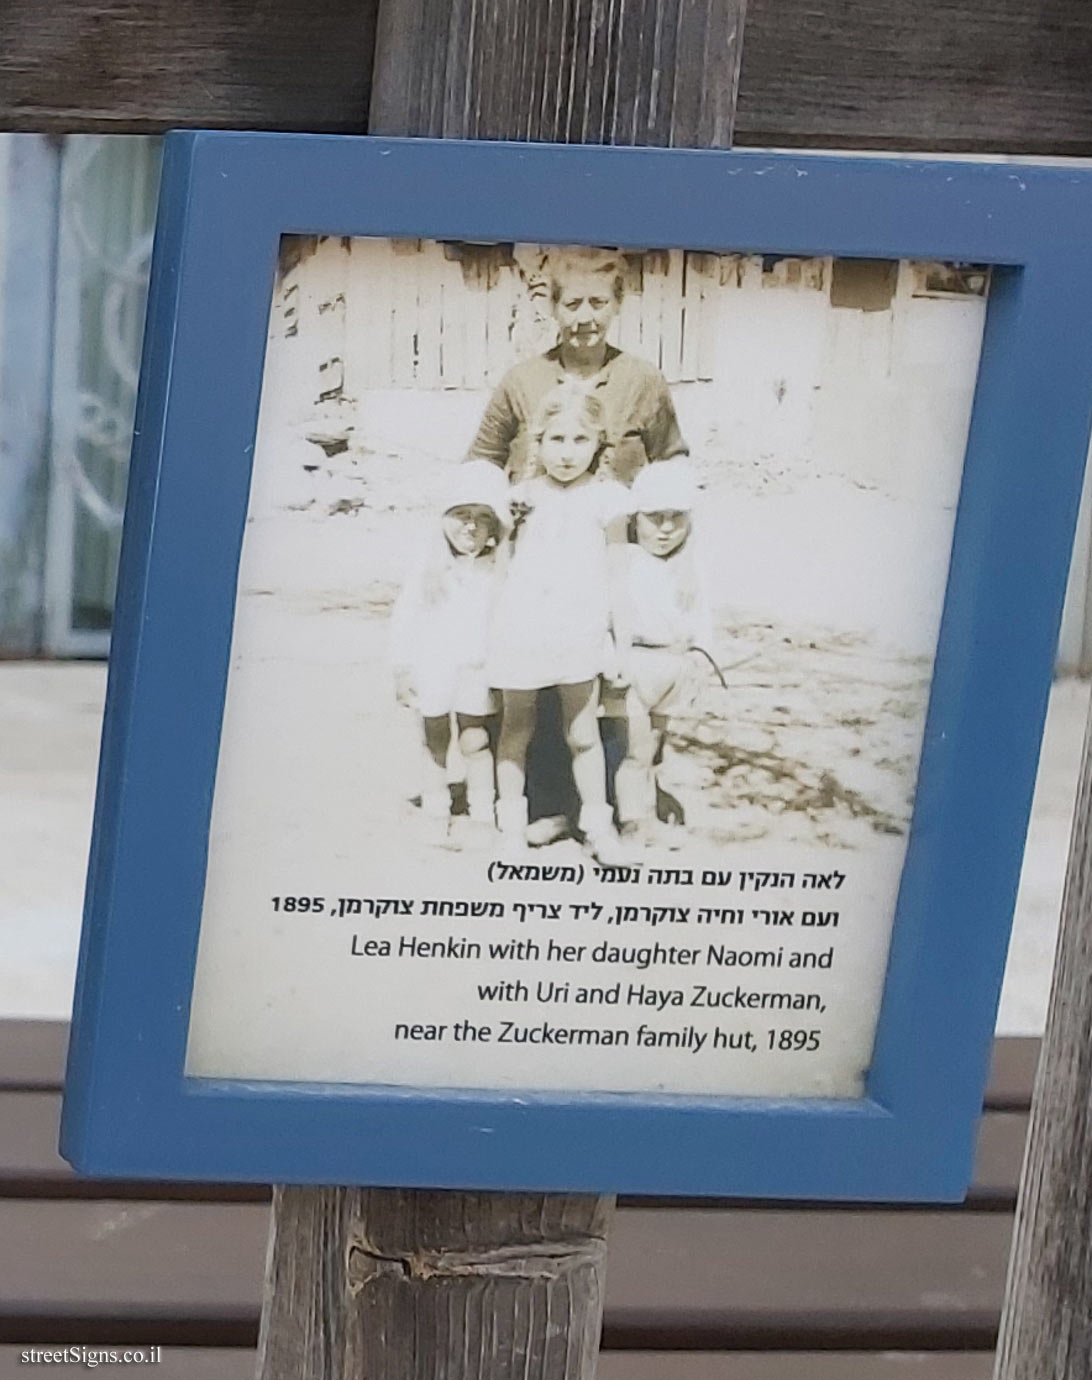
226	201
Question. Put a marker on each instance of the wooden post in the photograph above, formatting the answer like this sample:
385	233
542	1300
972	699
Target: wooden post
393	1284
403	1285
1046	1327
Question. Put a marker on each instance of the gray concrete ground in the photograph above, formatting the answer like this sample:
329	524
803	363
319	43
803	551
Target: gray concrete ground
49	728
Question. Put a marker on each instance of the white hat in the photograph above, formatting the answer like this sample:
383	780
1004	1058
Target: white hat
665	485
477	482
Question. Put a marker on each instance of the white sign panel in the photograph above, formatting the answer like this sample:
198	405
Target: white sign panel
584	637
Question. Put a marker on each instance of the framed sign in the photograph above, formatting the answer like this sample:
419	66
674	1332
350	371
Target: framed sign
583	636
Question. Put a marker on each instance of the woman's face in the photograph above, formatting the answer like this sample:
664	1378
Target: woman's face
662	533
567	447
468	527
584	309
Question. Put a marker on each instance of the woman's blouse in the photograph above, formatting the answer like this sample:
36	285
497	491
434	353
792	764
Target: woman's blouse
640	416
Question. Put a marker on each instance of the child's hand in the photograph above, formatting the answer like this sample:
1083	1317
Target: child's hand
403	687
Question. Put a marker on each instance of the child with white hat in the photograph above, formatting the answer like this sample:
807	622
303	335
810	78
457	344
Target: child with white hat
439	638
669	617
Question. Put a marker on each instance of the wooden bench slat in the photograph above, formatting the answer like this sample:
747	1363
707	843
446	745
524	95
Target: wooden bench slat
689	1279
31	1167
1000	1153
1012	1073
825	1279
199	1261
238	1363
178	1363
32	1055
833	1365
998	1160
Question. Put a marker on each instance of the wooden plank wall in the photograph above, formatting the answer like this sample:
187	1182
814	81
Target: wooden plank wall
458	316
489	314
976	75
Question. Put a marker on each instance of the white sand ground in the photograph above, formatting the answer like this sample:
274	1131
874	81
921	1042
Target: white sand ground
49	727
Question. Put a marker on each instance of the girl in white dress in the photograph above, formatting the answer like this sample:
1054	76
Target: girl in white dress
439	633
560	618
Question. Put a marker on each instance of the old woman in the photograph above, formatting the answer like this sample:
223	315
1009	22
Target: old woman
586	287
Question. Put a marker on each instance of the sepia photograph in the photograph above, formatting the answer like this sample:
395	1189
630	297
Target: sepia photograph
569	568
619	549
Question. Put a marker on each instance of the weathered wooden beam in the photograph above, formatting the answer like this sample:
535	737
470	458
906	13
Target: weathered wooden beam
975	75
1046	1328
141	66
1003	76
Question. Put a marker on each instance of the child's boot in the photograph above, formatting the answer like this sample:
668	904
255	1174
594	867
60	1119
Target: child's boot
597	826
633	796
547	829
512	822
